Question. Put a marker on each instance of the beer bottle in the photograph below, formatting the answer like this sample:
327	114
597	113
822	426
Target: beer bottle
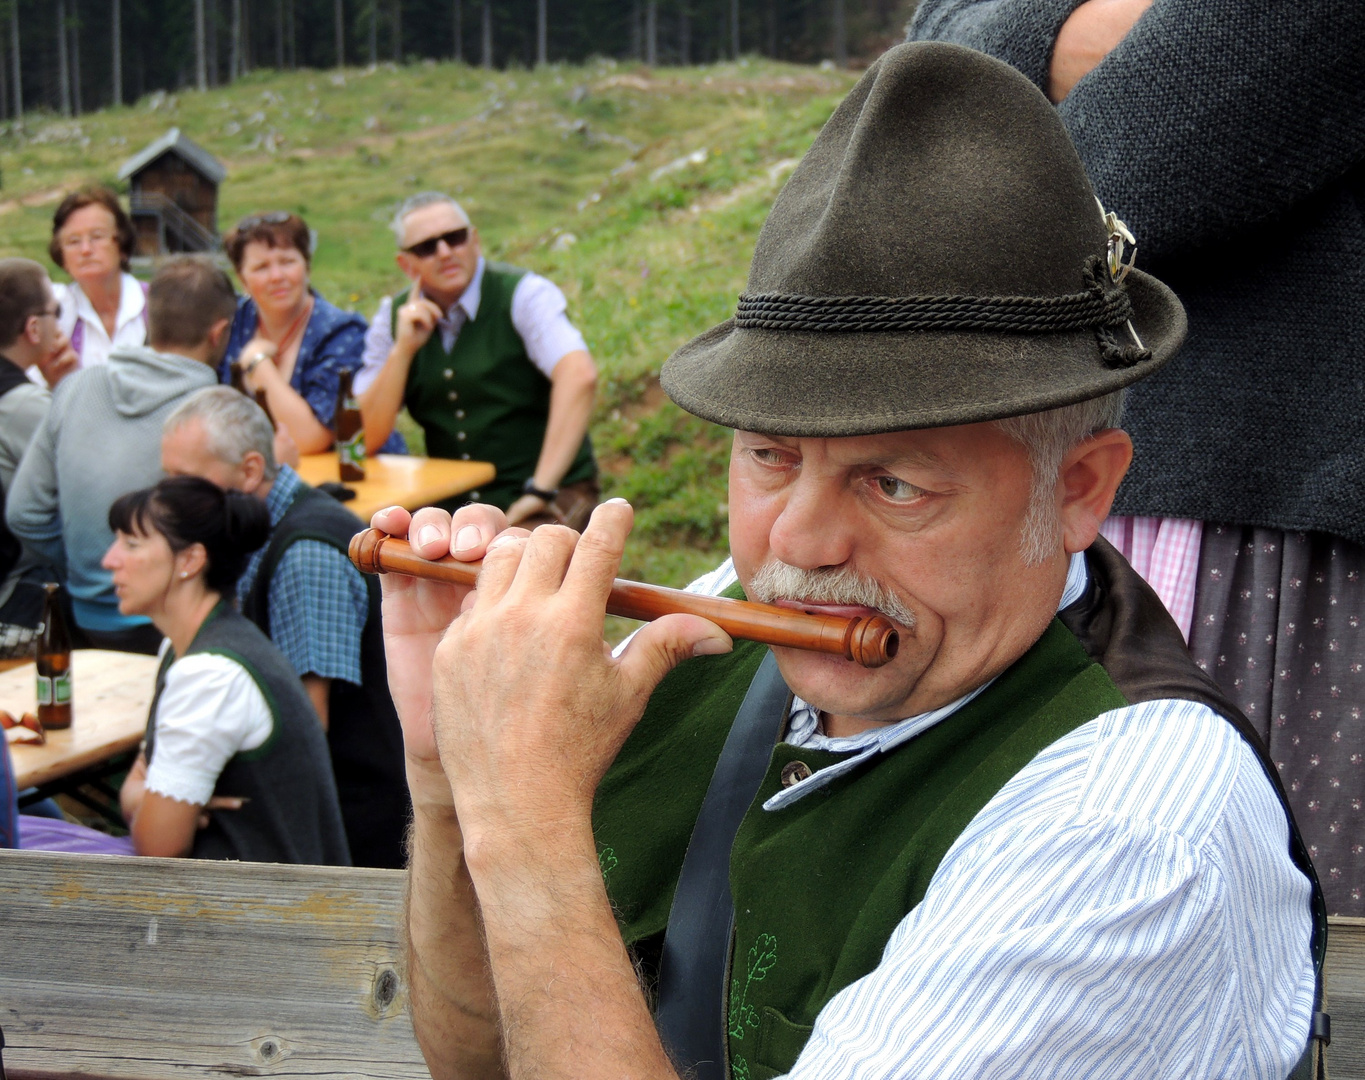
237	377
54	663
265	408
350	432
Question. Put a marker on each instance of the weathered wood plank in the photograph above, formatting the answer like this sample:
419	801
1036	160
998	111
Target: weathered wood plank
142	969
1346	998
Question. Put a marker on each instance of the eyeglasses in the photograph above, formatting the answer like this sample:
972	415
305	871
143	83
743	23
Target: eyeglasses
55	313
425	249
94	238
275	217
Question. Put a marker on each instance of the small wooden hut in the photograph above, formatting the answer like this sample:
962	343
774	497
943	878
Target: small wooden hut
173	196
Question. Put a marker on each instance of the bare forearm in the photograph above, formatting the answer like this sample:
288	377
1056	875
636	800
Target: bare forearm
454	1013
571	399
382	399
571	1006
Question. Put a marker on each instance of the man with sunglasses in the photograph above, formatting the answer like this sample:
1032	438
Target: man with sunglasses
486	361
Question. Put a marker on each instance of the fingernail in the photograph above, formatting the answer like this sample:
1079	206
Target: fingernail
618	501
711	647
467	538
501	539
427	534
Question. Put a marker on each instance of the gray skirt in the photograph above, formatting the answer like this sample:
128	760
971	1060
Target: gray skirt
1277	622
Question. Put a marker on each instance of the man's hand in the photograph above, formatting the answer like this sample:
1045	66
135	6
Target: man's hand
417	612
530	707
525	507
416	319
1089	34
60	363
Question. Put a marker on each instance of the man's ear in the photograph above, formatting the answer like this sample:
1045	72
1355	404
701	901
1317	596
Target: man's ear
33	332
253	471
218	332
1089	477
407	264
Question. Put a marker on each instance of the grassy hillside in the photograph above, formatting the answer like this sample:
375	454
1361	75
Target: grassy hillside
639	193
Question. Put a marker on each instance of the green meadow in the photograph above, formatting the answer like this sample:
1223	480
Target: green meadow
639	192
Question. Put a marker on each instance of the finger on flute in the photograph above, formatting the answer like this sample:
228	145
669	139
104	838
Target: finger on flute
870	642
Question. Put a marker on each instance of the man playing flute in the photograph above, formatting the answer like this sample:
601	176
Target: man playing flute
1037	843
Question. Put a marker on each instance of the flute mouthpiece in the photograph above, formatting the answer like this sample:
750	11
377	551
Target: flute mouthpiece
872	642
364	550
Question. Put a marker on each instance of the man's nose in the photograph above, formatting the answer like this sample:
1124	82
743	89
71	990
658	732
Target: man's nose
812	530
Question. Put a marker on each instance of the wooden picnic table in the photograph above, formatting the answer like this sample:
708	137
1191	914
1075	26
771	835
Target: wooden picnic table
399	480
111	693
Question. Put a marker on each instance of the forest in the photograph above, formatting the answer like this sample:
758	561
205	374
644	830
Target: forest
72	56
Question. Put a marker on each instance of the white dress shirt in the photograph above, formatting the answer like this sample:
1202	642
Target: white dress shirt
130	325
538	315
209	710
1124	907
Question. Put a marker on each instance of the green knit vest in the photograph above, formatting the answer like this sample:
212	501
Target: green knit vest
819	885
486	399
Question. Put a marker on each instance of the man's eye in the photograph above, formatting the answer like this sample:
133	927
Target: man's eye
894	488
767	456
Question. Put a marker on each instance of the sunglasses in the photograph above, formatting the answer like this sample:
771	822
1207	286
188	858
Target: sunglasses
425	249
277	217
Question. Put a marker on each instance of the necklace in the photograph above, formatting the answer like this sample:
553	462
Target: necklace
283	344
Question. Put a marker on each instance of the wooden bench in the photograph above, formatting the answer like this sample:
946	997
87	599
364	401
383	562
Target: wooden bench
153	968
144	969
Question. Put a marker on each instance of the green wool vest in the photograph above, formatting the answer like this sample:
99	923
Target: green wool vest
486	399
819	885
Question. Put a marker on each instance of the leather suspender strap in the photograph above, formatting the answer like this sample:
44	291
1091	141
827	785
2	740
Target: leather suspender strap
696	952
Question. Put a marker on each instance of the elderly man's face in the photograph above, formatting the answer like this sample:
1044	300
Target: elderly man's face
935	518
447	271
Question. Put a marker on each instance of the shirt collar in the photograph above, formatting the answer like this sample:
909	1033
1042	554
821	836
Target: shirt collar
803	721
130	303
469	299
282	493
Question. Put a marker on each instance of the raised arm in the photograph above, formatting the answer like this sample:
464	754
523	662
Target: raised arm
383	381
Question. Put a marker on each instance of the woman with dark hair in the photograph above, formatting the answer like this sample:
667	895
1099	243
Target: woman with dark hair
288	340
104	306
235	762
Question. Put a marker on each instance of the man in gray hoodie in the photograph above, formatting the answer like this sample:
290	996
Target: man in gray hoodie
102	437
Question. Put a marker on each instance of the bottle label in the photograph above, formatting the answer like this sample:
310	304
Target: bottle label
352	450
61	688
45	690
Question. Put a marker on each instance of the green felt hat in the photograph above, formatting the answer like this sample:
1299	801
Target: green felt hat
938	257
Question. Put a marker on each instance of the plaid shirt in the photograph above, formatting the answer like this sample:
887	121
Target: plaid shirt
318	602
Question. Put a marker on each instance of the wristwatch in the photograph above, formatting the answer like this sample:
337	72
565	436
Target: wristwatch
529	488
254	361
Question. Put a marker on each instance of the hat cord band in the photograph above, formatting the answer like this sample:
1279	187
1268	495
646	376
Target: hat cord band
1003	314
1098	308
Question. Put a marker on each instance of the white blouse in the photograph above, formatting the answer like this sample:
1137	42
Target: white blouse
210	709
130	325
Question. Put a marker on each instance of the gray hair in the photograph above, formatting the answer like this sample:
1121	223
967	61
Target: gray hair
1048	437
233	423
416	202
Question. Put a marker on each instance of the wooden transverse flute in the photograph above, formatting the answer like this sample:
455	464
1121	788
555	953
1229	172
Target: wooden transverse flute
869	641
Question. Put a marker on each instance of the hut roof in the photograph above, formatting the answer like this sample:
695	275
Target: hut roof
198	158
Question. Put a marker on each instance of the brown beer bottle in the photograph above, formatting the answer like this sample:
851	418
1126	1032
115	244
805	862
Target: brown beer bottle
350	432
237	378
54	663
265	408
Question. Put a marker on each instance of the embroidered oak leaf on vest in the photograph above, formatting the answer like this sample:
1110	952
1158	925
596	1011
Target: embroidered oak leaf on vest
762	956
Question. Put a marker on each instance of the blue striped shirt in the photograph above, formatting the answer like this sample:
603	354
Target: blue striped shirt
1124	907
318	604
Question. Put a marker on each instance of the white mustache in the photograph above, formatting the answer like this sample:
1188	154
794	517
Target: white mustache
777	580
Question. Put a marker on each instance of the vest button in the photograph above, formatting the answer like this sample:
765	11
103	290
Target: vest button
473	496
794	772
464	457
448	373
460	436
452	396
459	414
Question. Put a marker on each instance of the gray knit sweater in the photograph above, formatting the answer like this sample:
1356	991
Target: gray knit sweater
1230	136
